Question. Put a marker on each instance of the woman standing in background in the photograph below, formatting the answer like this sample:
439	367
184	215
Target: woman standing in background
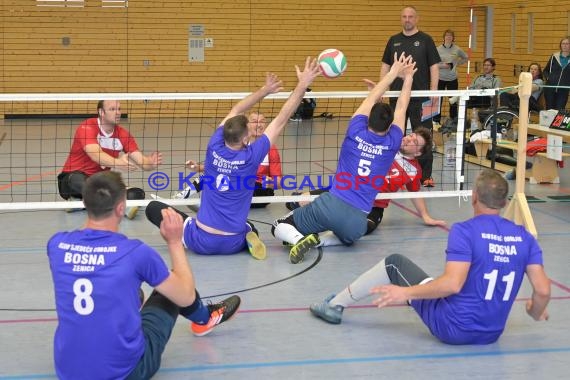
557	73
451	57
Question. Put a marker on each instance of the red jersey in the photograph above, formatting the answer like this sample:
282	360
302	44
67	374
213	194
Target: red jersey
270	166
404	172
89	132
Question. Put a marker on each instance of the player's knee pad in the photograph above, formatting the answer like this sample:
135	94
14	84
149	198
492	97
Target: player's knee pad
403	271
286	219
135	193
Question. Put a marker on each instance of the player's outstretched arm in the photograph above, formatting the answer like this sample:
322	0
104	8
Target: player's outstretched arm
105	160
146	162
271	86
400	64
450	282
407	73
305	78
421	207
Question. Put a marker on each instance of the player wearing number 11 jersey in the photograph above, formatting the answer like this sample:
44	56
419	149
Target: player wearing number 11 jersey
487	257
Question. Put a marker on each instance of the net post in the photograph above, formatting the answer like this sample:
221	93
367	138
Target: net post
518	210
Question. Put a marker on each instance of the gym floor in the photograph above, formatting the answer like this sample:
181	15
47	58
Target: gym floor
274	335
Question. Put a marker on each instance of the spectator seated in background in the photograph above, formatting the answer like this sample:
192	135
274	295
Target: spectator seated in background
511	99
485	81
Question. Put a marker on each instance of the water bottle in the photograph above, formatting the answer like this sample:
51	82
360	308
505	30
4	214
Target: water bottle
474	119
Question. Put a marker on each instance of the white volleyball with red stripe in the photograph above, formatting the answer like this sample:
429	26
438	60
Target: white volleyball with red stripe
332	63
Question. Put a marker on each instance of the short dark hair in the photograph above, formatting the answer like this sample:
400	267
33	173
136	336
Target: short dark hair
235	129
449	31
427	136
540	73
491	61
102	192
492	189
381	117
100	105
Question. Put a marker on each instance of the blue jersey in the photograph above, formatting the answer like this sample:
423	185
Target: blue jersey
228	182
499	252
363	163
97	275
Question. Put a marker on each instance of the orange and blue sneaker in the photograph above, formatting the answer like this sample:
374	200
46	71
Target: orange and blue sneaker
219	313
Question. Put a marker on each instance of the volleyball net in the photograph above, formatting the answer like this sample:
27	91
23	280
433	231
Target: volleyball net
37	130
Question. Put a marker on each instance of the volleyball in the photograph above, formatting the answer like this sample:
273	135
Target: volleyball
332	63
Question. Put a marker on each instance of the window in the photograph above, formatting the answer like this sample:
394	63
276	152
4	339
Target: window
513	32
530	29
61	3
115	3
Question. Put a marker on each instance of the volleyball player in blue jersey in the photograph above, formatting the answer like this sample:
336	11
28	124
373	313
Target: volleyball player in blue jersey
487	258
221	225
373	138
102	331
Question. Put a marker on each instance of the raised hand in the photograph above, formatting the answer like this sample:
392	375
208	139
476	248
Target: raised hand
309	73
193	165
403	65
155	158
369	83
272	83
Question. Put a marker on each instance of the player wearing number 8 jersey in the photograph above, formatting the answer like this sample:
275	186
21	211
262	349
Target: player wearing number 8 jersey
373	138
487	257
102	331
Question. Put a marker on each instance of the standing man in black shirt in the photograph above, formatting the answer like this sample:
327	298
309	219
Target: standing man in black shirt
421	47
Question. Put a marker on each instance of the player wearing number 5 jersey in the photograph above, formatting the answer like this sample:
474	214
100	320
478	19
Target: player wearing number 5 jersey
373	138
102	331
487	257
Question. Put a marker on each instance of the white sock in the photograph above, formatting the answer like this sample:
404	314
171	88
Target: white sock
360	288
328	238
287	233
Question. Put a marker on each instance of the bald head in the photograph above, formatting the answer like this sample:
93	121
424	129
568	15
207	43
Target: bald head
409	18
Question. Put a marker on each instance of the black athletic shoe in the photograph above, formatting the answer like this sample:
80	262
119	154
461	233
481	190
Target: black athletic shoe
219	313
293	205
298	251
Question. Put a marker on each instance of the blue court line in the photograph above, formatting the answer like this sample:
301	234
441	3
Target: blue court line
297	363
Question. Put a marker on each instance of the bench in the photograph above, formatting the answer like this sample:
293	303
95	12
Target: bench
544	169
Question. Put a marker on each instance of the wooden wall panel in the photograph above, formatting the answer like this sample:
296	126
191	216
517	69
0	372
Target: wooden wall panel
550	26
144	48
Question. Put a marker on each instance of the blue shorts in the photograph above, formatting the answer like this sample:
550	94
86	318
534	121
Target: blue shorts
441	324
329	213
205	243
